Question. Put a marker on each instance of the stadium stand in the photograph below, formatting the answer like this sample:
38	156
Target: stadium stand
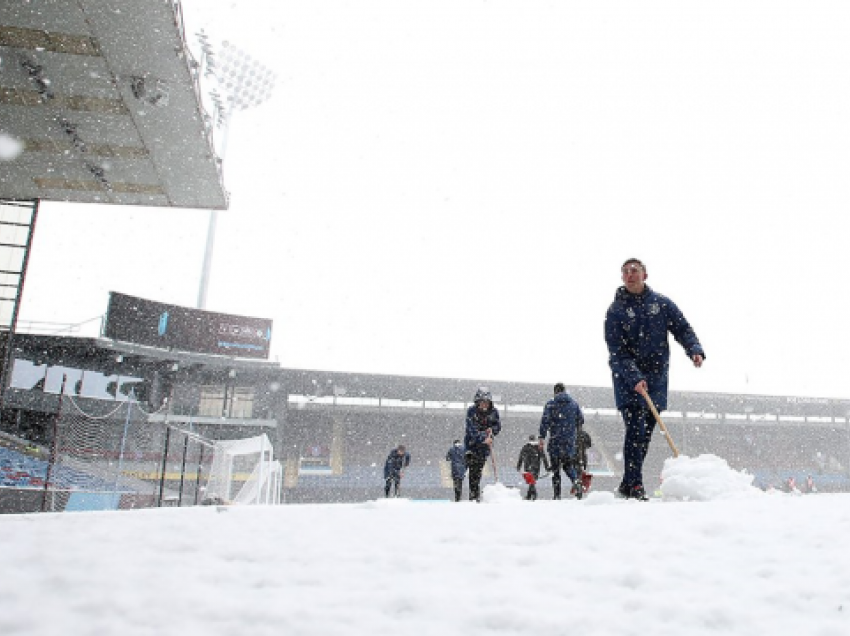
770	451
21	471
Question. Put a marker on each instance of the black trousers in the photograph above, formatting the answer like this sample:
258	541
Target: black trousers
532	490
458	484
476	468
392	480
639	423
568	464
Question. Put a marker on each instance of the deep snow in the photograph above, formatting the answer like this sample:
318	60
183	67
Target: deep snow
740	562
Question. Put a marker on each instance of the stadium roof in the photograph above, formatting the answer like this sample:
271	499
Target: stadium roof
317	385
103	96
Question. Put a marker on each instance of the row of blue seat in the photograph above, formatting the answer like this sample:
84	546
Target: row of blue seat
18	470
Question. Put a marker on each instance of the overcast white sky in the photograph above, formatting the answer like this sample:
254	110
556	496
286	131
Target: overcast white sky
449	188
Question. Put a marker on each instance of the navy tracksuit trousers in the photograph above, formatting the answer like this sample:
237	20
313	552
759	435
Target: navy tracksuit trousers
639	423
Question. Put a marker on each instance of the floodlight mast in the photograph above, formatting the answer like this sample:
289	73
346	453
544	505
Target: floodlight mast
245	83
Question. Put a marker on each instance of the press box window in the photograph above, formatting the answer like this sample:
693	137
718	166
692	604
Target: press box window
221	401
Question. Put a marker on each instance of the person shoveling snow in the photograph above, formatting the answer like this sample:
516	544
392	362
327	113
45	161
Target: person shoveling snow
482	425
530	458
636	328
562	418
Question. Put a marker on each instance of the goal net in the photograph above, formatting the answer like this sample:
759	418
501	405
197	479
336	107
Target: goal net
102	460
244	471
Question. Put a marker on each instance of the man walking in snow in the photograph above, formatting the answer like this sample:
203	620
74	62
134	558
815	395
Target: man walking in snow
530	457
482	425
457	457
397	461
562	417
636	327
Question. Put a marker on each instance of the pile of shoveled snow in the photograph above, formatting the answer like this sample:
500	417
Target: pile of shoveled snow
499	493
386	502
704	478
492	493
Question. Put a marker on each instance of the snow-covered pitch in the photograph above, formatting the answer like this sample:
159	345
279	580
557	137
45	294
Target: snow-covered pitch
722	559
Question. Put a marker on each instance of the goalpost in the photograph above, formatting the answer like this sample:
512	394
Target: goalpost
122	456
244	472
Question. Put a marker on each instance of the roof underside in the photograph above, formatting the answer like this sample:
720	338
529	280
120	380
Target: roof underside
102	96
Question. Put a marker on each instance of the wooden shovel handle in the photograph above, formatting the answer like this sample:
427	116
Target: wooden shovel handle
661	423
493	460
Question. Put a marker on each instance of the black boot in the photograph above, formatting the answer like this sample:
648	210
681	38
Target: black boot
578	489
638	493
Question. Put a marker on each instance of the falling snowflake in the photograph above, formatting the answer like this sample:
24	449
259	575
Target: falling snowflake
10	147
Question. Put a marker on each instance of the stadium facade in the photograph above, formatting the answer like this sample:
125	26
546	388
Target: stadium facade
101	102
